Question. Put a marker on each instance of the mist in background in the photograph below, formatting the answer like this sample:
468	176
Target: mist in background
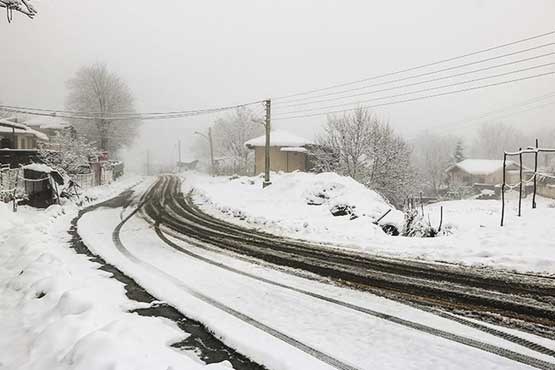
180	55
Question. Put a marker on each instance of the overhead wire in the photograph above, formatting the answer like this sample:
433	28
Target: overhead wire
414	99
417	83
494	114
118	116
421	66
420	90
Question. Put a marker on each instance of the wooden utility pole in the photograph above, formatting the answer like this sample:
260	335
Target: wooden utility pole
503	189
267	125
211	142
535	175
520	185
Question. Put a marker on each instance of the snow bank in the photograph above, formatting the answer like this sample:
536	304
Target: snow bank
296	204
525	244
60	312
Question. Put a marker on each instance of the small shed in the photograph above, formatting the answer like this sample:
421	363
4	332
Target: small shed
41	184
288	152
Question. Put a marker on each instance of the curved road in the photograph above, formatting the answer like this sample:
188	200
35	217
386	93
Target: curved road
525	301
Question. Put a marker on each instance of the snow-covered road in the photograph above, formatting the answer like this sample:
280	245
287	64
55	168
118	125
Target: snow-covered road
287	321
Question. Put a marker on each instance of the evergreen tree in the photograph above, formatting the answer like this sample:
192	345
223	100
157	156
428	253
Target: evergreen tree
458	156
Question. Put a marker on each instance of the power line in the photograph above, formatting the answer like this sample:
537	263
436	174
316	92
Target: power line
414	68
417	98
118	115
420	82
422	90
495	113
423	74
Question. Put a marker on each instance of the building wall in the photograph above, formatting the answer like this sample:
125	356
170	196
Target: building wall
546	190
459	177
279	161
21	141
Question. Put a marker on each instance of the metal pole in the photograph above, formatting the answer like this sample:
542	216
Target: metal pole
520	184
267	146
503	189
14	142
212	164
535	175
15	192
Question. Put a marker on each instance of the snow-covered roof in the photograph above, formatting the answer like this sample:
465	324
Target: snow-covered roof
38	167
21	129
296	149
481	166
47	123
7	123
279	138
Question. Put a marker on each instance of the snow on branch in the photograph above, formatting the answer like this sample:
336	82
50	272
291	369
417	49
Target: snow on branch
21	6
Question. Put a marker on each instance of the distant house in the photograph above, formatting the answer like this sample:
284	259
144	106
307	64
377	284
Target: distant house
288	152
47	125
14	135
479	171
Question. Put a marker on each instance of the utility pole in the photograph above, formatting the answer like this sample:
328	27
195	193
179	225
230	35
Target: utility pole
212	165
179	150
267	125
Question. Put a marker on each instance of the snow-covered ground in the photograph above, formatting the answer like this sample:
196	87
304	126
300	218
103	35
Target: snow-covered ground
285	326
58	311
475	238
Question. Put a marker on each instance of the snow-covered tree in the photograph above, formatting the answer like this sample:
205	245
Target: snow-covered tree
21	6
229	136
361	146
94	89
67	151
458	156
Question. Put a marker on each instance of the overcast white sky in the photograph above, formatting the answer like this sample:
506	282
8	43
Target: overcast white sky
191	54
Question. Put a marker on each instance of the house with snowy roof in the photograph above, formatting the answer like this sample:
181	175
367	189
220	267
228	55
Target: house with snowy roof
288	152
15	135
479	171
47	125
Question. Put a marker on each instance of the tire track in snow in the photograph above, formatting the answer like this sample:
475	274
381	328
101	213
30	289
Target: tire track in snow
247	319
509	354
475	325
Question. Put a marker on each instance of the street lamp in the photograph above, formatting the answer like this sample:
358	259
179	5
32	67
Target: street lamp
209	138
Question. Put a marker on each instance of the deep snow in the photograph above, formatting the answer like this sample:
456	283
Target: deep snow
475	237
60	312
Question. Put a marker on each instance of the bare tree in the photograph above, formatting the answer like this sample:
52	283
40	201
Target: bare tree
432	155
21	6
230	134
96	90
361	146
4	114
493	139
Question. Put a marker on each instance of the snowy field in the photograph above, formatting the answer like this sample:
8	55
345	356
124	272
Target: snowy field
60	312
525	244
